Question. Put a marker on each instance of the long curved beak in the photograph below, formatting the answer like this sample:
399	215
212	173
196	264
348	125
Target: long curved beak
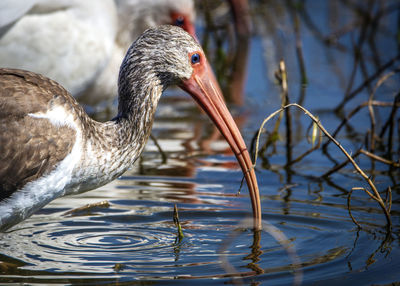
204	88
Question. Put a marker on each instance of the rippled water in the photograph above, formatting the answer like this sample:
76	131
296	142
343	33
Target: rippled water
308	236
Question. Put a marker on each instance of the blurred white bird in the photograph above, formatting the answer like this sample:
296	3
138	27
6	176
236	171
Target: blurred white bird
81	44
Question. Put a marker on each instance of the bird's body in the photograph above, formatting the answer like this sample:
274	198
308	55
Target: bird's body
49	147
87	39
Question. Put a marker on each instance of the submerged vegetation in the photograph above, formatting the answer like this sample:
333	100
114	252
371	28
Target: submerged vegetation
362	37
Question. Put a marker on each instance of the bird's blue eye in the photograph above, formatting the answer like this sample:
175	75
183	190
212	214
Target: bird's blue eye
179	21
195	58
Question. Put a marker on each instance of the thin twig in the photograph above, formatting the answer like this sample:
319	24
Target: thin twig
391	123
394	106
389	198
288	116
299	45
178	224
87	208
163	155
337	167
357	55
349	206
260	131
380	159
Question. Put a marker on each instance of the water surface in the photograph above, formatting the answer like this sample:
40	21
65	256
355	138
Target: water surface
308	236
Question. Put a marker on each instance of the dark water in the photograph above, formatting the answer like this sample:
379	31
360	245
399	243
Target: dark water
308	236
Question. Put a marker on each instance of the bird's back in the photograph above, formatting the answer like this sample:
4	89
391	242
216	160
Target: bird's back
31	144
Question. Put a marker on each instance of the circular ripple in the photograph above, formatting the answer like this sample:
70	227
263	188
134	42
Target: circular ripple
106	240
111	241
94	249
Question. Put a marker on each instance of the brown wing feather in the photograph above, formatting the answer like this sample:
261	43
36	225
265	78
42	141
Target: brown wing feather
30	147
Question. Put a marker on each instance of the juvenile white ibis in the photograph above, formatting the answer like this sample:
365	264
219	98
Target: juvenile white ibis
49	147
87	39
